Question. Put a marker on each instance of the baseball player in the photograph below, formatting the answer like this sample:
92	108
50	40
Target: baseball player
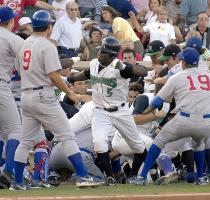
190	88
39	67
10	124
110	80
81	126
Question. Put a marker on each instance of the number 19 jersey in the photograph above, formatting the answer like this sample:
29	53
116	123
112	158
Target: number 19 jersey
191	90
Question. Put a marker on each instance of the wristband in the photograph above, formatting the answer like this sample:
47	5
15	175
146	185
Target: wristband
75	59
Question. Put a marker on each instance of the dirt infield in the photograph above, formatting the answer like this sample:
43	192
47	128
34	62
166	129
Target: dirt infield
201	196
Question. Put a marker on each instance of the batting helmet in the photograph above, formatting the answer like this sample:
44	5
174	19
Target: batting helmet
41	19
110	45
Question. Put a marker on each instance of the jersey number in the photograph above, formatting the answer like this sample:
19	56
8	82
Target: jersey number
26	59
203	80
109	92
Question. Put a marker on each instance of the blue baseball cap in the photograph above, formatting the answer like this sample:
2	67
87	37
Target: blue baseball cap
189	56
6	14
194	42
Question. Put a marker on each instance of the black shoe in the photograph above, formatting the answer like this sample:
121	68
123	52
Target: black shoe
6	179
110	181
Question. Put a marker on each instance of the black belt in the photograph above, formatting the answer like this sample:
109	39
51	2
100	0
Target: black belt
2	80
38	88
71	49
114	109
185	114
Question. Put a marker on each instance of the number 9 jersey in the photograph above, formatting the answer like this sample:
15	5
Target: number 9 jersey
36	59
109	88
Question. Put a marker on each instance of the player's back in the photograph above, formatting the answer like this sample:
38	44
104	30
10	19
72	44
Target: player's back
37	58
10	45
192	91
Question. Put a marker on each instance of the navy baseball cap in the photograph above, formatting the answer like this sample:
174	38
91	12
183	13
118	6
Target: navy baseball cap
6	14
194	42
154	47
189	56
169	51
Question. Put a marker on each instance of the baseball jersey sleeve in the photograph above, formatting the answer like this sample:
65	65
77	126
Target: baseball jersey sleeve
51	60
167	91
15	43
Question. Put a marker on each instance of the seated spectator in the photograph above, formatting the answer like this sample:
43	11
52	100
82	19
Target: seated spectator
159	30
203	29
61	4
147	17
122	6
25	26
173	7
128	44
67	31
189	10
128	56
122	30
90	51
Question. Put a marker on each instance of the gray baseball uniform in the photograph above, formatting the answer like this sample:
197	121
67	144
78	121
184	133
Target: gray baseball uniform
190	89
37	58
9	117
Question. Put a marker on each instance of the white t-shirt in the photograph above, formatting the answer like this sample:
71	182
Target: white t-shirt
150	17
160	31
67	33
59	4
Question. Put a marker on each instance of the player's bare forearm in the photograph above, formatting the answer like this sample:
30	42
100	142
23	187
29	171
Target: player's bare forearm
144	118
149	110
140	70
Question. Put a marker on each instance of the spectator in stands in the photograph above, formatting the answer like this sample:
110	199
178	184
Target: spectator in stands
67	31
19	6
87	8
128	44
173	7
129	57
122	30
59	4
147	17
122	6
203	29
90	51
159	30
25	26
99	5
189	10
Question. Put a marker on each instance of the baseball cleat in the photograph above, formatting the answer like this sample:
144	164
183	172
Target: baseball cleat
87	181
140	181
5	179
39	184
131	180
202	181
17	186
110	181
167	179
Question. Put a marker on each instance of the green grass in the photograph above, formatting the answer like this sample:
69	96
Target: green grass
69	190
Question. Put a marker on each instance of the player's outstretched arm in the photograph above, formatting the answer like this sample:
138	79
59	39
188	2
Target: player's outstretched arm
81	76
60	84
